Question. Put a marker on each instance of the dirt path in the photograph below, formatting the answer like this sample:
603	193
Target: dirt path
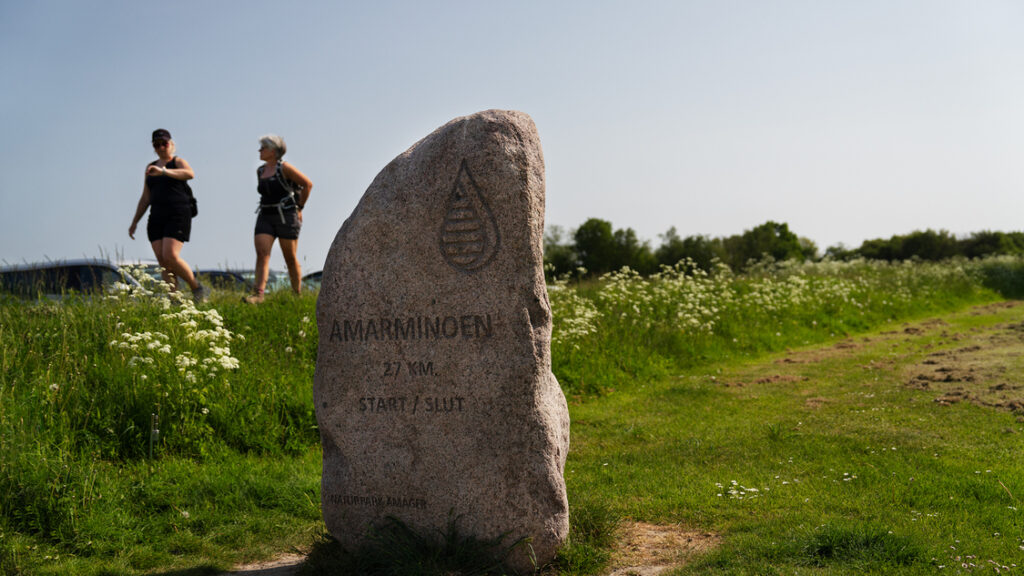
287	565
983	365
650	549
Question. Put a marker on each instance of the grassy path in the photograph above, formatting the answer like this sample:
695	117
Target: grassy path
892	452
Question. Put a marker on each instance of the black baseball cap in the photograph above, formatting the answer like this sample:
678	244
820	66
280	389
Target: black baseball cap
161	134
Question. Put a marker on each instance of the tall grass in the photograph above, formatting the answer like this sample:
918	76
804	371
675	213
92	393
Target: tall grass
140	431
110	404
626	327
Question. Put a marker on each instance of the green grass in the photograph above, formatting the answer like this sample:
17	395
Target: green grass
677	390
625	328
394	549
876	478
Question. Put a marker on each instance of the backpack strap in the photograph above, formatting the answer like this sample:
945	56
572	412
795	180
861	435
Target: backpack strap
288	184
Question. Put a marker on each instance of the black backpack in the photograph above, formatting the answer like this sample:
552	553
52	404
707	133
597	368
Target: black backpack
191	198
291	187
192	201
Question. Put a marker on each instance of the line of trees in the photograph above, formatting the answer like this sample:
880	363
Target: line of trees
932	245
596	247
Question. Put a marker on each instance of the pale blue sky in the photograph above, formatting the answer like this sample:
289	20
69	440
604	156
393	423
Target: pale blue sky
848	120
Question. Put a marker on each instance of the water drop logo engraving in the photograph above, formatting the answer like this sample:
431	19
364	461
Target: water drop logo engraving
469	234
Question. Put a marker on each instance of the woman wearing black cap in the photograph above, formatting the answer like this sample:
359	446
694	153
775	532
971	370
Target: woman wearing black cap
170	219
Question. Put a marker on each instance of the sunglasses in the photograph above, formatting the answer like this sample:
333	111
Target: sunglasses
160	144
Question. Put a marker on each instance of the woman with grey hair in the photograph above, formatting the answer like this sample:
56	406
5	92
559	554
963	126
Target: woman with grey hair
283	194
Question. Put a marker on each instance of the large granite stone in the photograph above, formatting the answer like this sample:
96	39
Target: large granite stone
433	389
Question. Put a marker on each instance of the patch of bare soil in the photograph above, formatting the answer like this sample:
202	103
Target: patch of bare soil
651	549
287	565
815	355
815	402
988	308
985	368
774	378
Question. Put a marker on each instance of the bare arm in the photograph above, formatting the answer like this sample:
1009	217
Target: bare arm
139	210
182	172
305	184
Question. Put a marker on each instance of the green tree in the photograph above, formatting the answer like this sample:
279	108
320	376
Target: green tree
630	251
595	245
560	256
672	249
769	239
986	243
881	249
808	249
601	250
701	249
840	252
928	245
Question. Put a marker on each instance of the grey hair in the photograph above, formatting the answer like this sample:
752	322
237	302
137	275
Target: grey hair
275	143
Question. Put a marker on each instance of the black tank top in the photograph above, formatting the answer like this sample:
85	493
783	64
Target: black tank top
273	190
166	192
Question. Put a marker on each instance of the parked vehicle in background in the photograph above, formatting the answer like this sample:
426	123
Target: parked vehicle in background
312	281
276	280
59	278
55	280
150	268
224	280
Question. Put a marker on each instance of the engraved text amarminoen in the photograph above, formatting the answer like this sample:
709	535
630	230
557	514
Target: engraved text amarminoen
466	326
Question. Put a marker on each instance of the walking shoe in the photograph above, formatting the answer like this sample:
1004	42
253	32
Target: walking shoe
200	294
253	299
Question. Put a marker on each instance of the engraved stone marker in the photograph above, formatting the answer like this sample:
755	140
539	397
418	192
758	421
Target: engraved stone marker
433	389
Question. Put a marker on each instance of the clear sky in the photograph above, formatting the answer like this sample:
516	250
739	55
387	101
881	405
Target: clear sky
848	120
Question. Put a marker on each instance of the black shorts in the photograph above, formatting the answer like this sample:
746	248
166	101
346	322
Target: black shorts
169	224
269	222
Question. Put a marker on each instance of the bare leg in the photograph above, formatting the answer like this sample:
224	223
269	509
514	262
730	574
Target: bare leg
263	243
165	273
290	248
168	254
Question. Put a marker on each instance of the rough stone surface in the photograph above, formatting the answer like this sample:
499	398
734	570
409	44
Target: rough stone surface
433	389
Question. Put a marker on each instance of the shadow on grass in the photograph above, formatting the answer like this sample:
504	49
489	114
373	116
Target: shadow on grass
291	570
857	545
284	570
200	571
592	529
395	549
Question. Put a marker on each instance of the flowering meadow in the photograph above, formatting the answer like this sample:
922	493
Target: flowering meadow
143	434
112	405
625	327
